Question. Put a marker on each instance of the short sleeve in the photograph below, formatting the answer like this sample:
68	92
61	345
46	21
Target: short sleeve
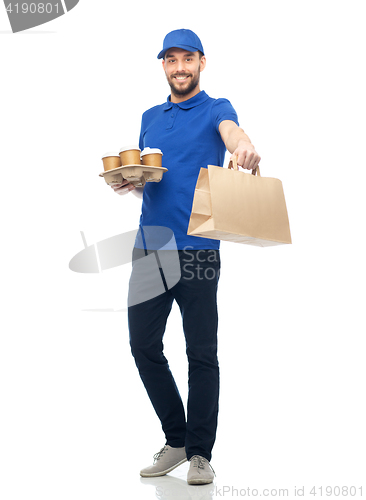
222	109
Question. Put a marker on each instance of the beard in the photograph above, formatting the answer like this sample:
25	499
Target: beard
180	90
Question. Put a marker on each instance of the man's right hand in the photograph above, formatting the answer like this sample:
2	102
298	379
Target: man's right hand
123	188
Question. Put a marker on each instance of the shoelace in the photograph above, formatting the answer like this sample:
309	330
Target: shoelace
160	453
199	462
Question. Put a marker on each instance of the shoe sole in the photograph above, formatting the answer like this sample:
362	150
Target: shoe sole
162	473
199	481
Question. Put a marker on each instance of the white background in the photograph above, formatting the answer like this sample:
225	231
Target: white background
75	419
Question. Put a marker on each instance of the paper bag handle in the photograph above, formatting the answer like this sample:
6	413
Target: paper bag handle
234	164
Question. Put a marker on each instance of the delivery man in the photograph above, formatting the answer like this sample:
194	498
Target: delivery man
192	130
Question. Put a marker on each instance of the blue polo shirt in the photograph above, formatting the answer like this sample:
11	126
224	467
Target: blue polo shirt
188	135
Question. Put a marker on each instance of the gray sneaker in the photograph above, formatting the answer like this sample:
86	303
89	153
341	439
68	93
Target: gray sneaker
165	460
200	471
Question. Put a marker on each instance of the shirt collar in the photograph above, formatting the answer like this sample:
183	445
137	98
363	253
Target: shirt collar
190	103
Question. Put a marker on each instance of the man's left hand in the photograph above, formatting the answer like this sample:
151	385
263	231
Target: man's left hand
247	156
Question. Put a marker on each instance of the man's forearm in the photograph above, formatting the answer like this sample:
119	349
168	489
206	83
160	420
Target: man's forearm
138	192
235	139
238	143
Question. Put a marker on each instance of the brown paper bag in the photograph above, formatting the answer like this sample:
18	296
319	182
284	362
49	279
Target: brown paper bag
232	205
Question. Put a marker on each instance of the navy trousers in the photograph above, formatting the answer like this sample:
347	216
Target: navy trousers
195	294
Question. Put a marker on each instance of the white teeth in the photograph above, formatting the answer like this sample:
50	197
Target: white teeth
180	77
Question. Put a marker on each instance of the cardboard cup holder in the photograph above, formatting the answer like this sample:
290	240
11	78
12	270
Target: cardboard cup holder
137	175
133	165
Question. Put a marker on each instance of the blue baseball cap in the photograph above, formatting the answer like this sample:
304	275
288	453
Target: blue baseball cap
182	39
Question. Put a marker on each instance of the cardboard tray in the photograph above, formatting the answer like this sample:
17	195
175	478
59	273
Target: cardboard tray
136	174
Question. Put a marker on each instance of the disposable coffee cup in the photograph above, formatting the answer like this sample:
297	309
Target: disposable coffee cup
152	157
130	155
111	160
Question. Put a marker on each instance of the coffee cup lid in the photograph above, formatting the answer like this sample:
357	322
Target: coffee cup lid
110	154
127	148
151	151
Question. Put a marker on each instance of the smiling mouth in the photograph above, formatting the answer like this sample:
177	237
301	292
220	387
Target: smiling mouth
181	78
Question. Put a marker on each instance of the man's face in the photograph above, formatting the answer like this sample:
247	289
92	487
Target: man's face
182	69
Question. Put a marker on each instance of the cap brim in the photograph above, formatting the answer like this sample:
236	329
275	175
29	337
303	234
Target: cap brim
185	47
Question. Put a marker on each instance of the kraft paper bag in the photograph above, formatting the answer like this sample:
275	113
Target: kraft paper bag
235	206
